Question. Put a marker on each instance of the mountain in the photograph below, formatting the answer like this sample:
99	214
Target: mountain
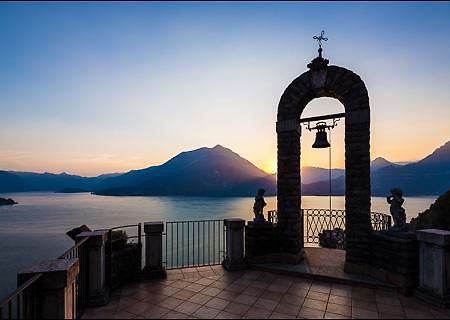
316	174
16	181
380	163
216	171
429	176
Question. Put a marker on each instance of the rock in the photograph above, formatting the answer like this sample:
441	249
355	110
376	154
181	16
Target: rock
7	202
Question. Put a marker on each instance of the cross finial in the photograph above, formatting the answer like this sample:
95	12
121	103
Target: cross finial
319	40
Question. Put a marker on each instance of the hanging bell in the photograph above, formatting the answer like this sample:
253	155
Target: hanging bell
321	139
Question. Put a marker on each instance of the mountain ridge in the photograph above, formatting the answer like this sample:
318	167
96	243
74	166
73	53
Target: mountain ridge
219	171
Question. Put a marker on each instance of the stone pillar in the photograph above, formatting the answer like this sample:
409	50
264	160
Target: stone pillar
153	250
434	266
290	220
57	291
98	291
357	186
234	259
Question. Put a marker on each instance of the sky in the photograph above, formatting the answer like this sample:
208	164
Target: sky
92	88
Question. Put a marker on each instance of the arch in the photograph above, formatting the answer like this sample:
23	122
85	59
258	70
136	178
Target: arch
346	86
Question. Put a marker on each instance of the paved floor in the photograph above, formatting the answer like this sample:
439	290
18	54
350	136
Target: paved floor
321	263
211	292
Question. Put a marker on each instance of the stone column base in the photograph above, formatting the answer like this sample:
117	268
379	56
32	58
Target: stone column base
229	266
149	274
432	298
283	258
403	283
98	298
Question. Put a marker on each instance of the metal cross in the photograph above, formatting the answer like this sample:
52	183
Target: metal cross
320	39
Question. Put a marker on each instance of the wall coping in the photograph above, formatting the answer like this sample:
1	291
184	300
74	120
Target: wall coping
434	236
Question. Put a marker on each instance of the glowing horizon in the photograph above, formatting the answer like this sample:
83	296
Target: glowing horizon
98	88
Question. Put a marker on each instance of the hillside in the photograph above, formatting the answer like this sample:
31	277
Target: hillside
214	171
429	176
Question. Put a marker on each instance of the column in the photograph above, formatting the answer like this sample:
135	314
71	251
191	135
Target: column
98	291
153	250
234	259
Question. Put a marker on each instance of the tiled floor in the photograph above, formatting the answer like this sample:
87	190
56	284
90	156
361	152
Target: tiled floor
211	292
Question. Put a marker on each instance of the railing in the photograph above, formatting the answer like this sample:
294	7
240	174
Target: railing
23	302
111	275
80	251
193	243
380	221
317	220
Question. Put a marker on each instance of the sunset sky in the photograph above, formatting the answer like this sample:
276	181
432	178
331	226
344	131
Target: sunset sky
91	88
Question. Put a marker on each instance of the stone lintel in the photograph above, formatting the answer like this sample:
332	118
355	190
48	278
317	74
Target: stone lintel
434	236
154	227
58	273
289	125
234	223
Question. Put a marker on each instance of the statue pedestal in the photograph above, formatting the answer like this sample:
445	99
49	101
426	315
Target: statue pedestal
261	241
395	258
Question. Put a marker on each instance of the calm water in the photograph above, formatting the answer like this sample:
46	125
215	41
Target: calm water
35	229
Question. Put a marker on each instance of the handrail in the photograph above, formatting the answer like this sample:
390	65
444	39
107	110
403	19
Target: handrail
125	226
20	289
70	250
180	221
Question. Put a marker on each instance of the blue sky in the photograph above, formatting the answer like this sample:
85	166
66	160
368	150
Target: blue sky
90	88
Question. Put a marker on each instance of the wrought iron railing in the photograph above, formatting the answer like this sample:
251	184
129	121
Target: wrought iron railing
23	303
193	243
317	220
81	251
380	221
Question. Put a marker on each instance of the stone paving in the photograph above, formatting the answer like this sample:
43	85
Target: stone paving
212	292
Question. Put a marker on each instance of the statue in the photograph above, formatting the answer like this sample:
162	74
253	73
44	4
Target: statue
259	206
397	212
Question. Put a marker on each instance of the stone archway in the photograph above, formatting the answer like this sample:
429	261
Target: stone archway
336	82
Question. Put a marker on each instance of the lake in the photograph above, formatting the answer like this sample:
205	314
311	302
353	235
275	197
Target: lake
35	229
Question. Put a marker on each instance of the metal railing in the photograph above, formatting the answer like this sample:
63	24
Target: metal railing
193	243
380	221
81	287
317	220
23	302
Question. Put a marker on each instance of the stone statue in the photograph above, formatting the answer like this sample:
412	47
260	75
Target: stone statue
397	212
259	206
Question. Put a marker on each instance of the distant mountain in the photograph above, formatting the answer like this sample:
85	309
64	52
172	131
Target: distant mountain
218	171
380	162
316	174
16	181
214	171
429	176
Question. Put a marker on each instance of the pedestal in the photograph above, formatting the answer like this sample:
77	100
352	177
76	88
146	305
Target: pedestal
154	268
57	288
234	257
394	259
98	291
434	275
